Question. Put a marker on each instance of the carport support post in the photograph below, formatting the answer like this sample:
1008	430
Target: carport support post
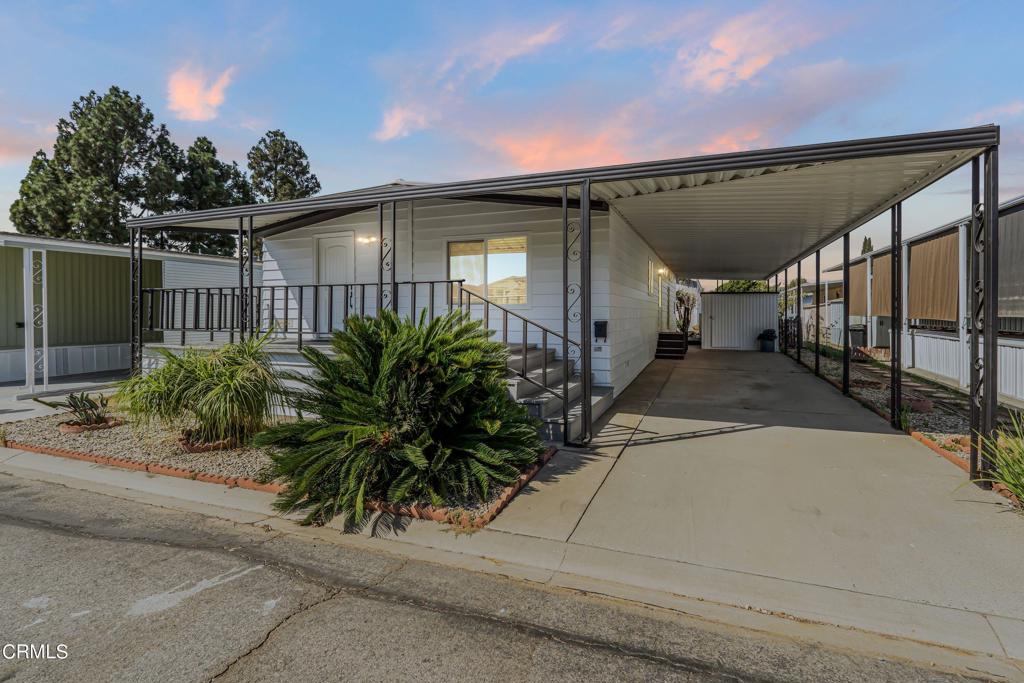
846	314
799	312
990	300
585	286
896	316
817	312
785	311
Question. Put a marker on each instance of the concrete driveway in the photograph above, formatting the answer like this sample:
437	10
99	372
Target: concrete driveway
759	482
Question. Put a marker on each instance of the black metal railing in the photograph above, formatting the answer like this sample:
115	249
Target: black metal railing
302	314
544	338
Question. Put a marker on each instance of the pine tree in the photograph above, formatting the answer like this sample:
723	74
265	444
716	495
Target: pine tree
280	169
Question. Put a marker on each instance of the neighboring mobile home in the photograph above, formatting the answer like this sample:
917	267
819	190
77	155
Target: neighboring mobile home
936	317
79	303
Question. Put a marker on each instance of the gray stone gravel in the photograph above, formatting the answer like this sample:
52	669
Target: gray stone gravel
154	443
150	443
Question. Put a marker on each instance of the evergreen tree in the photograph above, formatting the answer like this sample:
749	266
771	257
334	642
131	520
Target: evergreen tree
209	183
106	153
280	169
742	286
866	246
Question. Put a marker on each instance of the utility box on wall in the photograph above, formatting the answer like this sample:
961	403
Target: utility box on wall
733	320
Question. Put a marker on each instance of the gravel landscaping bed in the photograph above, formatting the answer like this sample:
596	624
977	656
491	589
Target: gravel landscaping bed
150	443
154	444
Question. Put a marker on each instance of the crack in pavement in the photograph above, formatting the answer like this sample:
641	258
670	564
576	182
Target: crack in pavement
337	586
267	636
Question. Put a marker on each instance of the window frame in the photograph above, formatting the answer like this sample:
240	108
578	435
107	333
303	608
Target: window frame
485	238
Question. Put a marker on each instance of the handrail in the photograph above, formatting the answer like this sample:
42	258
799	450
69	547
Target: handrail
520	317
524	370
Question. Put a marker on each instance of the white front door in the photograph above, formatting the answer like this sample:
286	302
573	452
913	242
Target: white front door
335	265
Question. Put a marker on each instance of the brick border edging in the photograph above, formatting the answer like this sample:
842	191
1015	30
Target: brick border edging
930	443
455	517
152	468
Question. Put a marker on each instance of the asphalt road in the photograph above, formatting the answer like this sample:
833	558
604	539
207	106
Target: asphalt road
140	593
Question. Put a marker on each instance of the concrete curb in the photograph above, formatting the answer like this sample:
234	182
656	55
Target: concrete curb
455	517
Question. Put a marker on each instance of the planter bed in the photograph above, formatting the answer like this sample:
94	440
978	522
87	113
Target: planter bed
154	449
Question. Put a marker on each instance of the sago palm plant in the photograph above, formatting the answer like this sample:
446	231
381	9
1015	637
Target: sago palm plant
228	394
1006	452
405	412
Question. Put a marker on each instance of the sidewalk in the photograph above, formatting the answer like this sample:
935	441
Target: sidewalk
952	638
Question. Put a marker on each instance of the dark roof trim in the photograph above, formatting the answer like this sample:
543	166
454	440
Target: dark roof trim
305	220
979	137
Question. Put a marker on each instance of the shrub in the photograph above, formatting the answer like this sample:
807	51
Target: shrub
226	394
87	410
1006	452
406	412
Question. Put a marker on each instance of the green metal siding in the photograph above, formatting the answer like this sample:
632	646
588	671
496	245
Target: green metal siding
12	306
87	297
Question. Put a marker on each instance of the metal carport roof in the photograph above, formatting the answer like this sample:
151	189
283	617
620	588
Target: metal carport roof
736	215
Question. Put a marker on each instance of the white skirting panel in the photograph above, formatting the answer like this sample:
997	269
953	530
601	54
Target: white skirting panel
935	352
68	360
944	355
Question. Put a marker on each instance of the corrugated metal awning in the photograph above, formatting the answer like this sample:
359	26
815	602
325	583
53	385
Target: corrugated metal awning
737	215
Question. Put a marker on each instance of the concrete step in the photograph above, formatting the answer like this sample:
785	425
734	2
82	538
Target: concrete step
552	429
544	404
534	359
519	388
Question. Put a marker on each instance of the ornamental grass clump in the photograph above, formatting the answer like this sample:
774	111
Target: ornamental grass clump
406	412
222	396
1006	453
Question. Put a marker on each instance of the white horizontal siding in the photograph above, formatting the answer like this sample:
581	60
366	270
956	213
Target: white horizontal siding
189	274
633	313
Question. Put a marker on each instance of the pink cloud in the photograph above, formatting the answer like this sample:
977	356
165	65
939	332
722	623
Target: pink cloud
1004	111
192	96
399	121
744	46
19	142
432	92
749	136
544	151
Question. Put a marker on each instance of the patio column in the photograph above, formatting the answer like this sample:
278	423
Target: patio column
869	327
846	314
567	245
239	303
896	315
817	312
393	237
135	299
37	347
380	259
585	301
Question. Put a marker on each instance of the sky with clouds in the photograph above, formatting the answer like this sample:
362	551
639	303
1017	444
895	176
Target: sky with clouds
444	91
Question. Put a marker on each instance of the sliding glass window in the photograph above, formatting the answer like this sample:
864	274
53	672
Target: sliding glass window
493	268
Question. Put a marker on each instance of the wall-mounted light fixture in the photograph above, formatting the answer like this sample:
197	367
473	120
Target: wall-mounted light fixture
367	240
